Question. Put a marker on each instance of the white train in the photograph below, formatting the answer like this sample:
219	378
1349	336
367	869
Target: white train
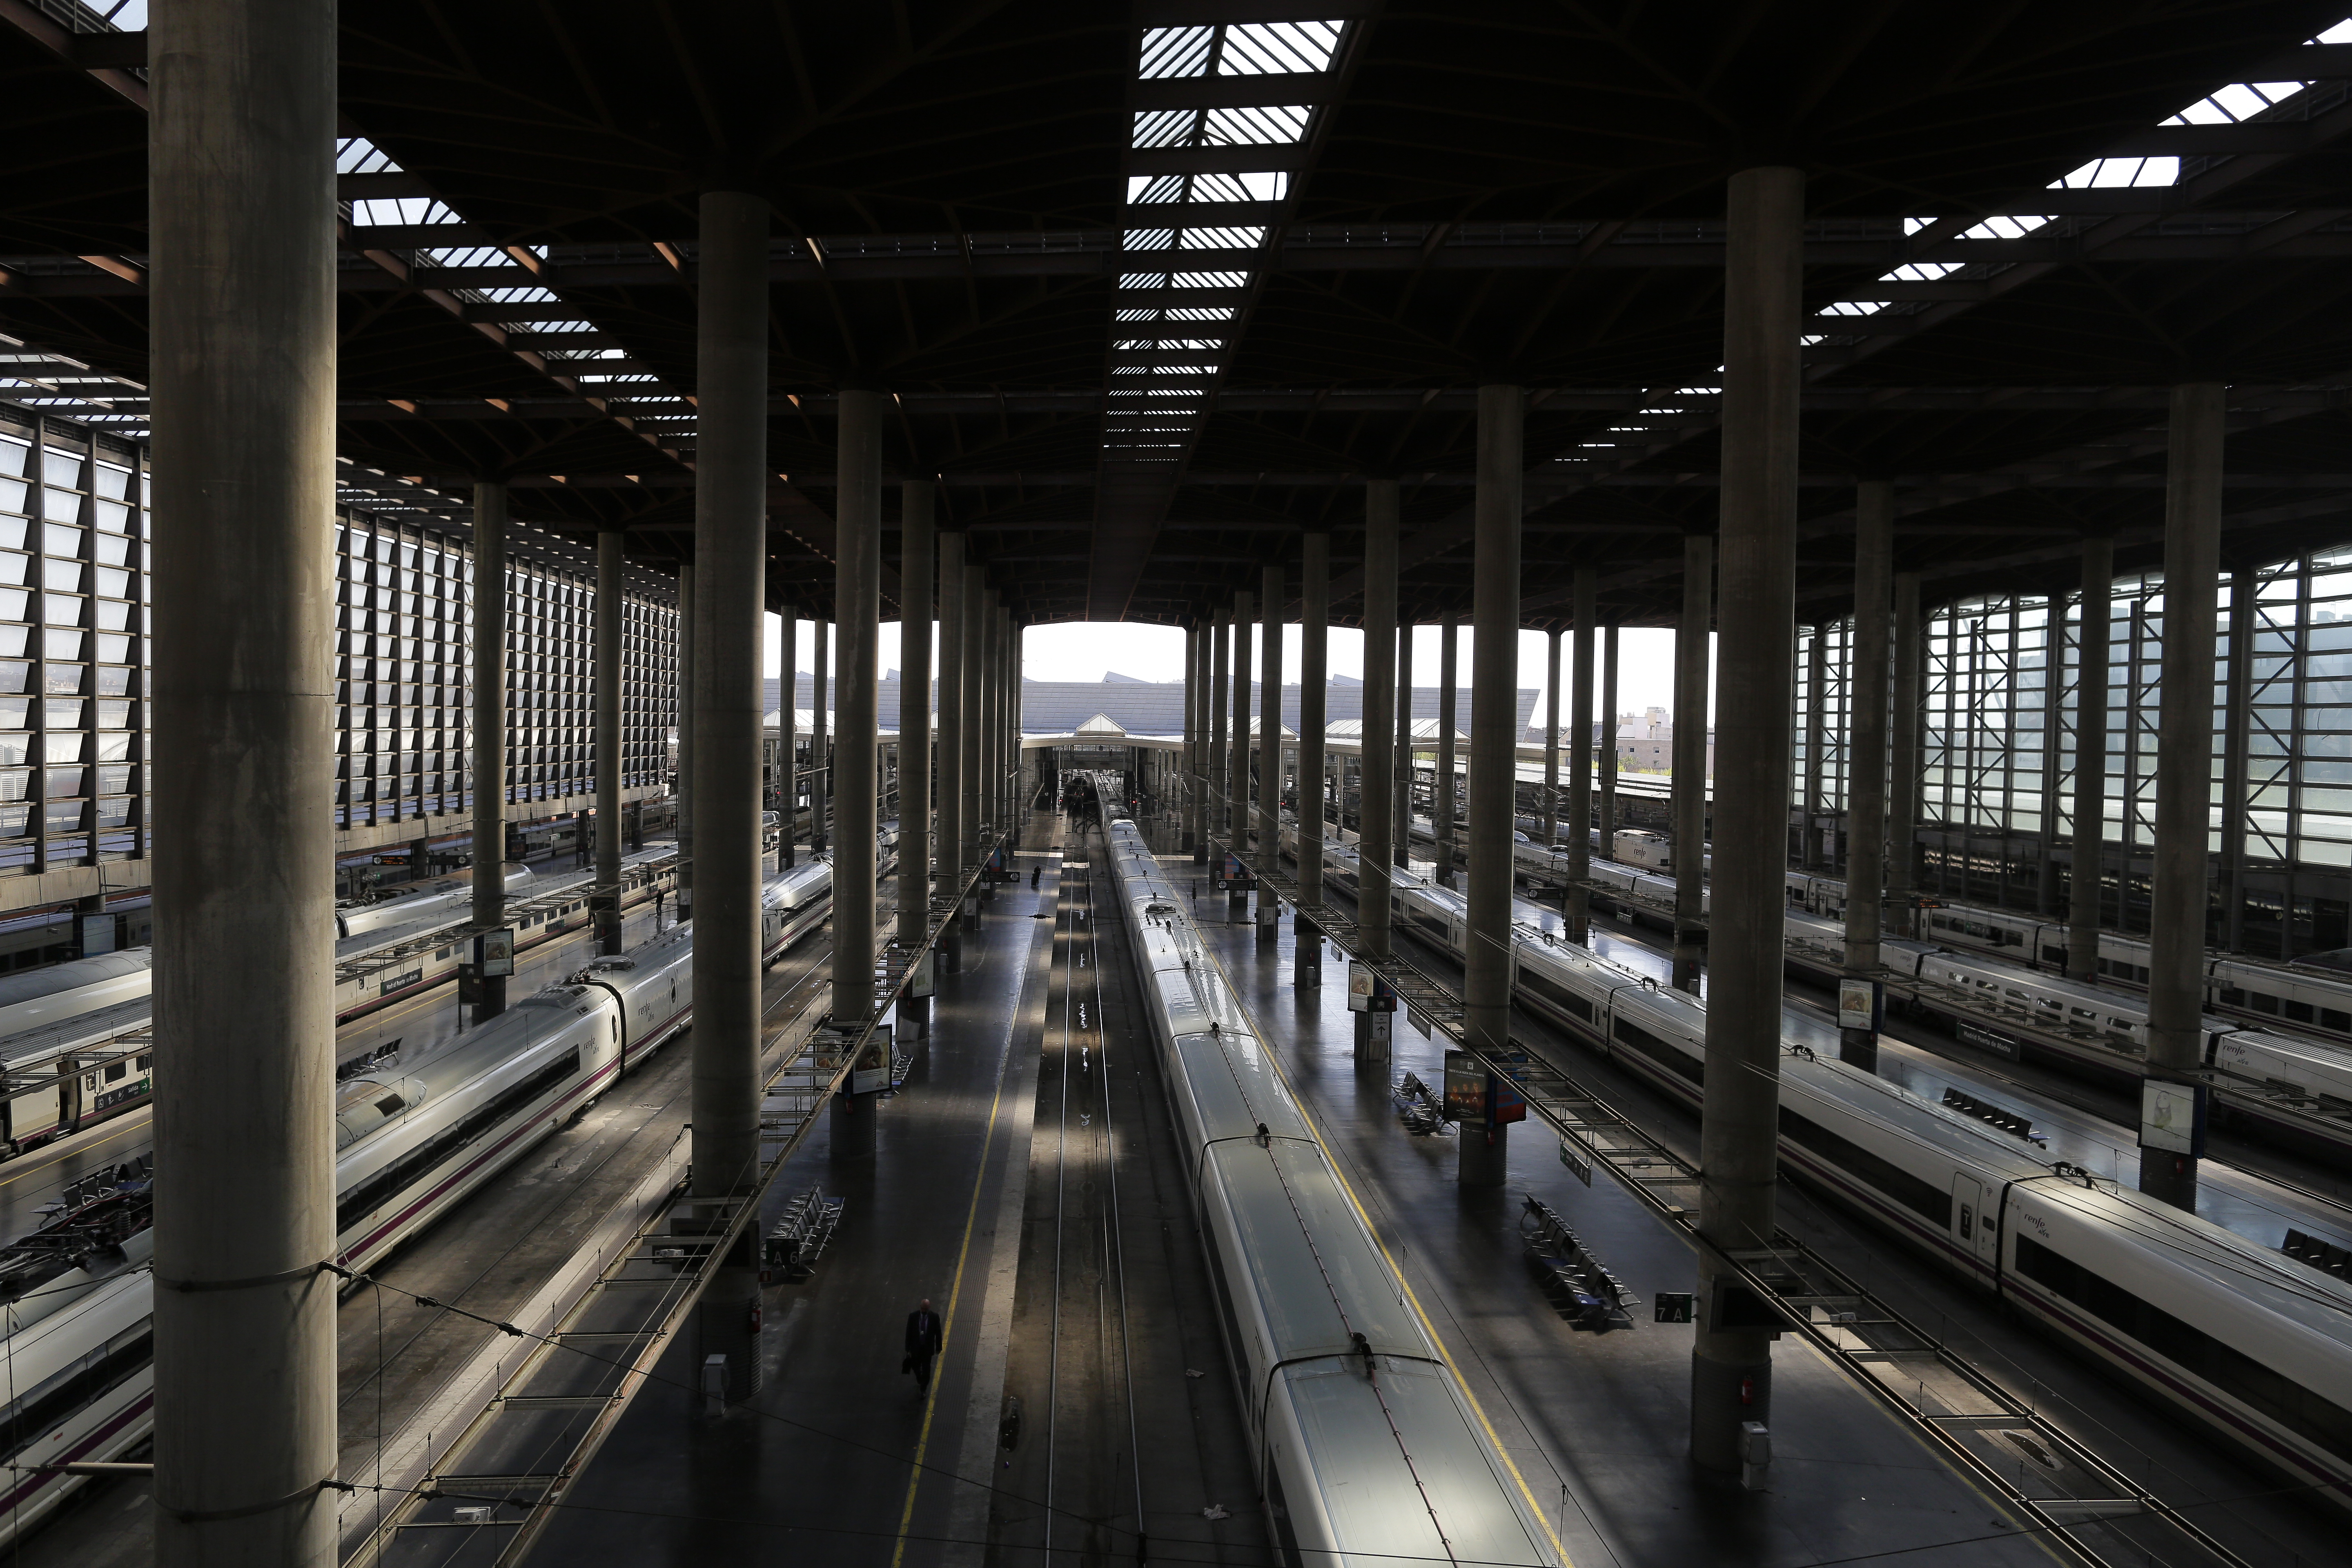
37	998
1362	1439
2253	1345
448	898
410	1143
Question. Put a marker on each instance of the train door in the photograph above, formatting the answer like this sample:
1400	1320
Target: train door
1977	1231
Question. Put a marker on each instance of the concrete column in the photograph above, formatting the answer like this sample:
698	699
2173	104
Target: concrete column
1817	675
1376	780
730	538
1269	741
2179	896
975	678
953	831
1903	767
489	735
2087	853
1189	780
857	606
1313	680
2235	744
819	755
1551	741
1689	777
1214	806
1404	745
1608	743
1731	1369
788	735
1865	850
242	214
1494	754
1579	756
1237	784
916	502
1441	808
685	786
612	615
1015	804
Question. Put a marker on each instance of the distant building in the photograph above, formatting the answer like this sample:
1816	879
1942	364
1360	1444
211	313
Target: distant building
1645	742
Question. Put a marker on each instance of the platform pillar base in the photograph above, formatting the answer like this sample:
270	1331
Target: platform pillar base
1373	1031
1859	1049
856	1117
1725	1396
1481	1155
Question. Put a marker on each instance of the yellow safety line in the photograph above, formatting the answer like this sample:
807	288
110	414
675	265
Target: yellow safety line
1405	1286
955	1293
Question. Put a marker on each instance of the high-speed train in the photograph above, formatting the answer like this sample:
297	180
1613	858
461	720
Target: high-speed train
35	998
2254	1344
410	1143
1362	1439
448	898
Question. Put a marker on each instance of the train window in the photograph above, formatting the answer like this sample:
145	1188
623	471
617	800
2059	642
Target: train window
2262	1004
2300	1011
142	1063
114	1074
2329	1019
1933	1202
43	1407
2053	955
1559	996
1629	1033
2233	998
2300	1409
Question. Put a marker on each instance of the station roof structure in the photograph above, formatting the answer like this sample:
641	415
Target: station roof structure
1157	289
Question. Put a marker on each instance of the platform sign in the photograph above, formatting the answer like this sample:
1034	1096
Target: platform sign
1466	1089
921	980
1505	1103
1861	1004
1674	1305
1367	992
2172	1117
871	1075
494	953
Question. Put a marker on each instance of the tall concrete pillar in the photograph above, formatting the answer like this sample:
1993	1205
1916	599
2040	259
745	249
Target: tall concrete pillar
821	709
1404	746
1579	757
490	737
1817	672
1237	784
1376	780
2236	739
1314	720
1607	741
1731	1368
1904	768
1689	778
1865	852
1441	809
1269	741
612	615
1494	755
731	539
2087	855
2180	894
788	735
1551	741
953	831
685	696
975	680
1213	805
1016	801
1189	779
242	214
858	608
917	546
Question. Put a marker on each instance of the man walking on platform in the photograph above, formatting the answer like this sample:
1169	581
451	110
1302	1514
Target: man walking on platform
922	1344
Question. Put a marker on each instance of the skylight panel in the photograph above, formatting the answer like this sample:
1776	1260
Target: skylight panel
1175	52
2237	101
2117	174
1222	238
401	210
1200	312
1269	48
470	256
1148	239
1921	271
358	155
1854	308
1165	126
1208	279
1156	188
1269	125
1143	280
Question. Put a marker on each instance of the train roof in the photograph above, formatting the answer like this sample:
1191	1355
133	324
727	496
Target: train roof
32	984
82	1030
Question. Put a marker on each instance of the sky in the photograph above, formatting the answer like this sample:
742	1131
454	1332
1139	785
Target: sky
1087	650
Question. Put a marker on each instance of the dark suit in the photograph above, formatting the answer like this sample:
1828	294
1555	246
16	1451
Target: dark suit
922	1344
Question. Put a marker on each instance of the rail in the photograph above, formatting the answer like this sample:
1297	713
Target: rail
540	1421
2085	1506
